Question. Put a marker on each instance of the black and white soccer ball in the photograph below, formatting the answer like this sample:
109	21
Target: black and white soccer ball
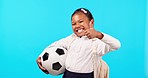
53	60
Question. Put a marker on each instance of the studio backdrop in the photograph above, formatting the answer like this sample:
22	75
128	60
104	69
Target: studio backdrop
27	27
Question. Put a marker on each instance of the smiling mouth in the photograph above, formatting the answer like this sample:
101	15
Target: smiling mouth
79	30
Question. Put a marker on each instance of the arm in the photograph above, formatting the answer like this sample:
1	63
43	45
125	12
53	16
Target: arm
111	41
106	43
65	42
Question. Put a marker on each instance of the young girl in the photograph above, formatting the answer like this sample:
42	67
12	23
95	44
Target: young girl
79	63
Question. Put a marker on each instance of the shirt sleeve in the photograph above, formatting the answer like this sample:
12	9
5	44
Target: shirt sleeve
107	44
65	43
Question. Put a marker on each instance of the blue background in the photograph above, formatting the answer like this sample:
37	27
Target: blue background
28	26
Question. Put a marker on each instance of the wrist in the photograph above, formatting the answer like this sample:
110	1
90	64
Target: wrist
100	35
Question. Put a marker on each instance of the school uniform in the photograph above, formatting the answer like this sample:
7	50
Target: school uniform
79	62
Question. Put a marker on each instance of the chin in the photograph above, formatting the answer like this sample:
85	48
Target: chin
79	35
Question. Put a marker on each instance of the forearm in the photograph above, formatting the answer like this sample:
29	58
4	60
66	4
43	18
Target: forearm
111	41
64	43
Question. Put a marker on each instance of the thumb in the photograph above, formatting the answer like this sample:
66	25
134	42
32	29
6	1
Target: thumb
91	23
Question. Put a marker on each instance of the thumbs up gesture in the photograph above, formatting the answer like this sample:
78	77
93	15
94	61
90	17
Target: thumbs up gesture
92	33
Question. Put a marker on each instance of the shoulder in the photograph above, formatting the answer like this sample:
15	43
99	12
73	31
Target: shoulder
71	36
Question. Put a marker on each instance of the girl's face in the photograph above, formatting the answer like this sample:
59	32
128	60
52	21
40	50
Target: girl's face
80	23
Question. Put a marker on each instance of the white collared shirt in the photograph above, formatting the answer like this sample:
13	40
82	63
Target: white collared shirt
79	57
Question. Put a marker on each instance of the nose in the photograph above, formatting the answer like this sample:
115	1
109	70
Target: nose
77	26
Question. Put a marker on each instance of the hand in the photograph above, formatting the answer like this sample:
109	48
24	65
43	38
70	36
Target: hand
92	33
40	65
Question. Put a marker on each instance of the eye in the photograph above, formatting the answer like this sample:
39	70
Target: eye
80	21
73	23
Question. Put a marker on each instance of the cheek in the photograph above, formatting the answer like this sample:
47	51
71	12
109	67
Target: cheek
73	27
86	26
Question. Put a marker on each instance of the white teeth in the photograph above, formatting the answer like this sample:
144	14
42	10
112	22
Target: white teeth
80	30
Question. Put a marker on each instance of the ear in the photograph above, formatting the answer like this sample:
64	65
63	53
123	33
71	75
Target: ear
91	23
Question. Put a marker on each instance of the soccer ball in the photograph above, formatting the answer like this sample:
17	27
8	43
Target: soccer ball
53	60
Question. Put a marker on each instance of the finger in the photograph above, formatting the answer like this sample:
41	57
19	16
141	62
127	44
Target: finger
40	66
45	71
89	36
87	31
